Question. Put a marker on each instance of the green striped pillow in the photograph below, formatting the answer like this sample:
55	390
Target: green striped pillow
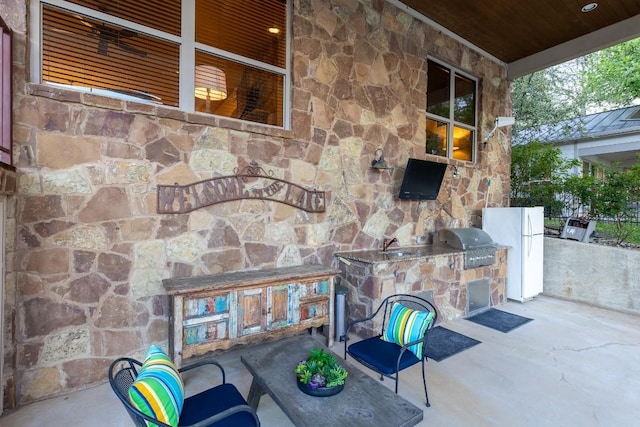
406	325
158	390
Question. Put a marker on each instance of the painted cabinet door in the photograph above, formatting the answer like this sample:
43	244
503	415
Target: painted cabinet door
279	306
206	318
251	311
311	301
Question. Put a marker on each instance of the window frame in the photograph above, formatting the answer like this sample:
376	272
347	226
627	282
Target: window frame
185	41
6	94
450	121
592	169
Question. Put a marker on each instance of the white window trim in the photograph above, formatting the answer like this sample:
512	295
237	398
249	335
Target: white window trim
187	44
450	121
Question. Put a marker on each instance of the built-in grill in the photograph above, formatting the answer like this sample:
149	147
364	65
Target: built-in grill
479	249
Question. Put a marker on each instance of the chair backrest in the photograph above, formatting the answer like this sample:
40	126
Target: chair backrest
413	302
122	373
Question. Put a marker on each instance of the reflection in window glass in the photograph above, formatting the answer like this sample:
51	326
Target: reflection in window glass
231	89
462	143
436	137
465	101
438	90
86	53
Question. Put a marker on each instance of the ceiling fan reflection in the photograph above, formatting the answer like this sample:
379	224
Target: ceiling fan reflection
114	36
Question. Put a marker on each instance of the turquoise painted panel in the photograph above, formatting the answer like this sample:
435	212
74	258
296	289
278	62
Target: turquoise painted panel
205	332
323	287
199	307
313	310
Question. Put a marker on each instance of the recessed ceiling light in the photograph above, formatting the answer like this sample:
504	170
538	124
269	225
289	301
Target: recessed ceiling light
589	7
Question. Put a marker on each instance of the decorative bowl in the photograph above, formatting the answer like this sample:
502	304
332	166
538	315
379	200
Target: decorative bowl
320	391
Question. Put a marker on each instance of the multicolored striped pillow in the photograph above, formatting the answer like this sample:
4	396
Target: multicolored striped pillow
406	325
158	390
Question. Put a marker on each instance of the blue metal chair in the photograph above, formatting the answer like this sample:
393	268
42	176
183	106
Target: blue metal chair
388	358
219	406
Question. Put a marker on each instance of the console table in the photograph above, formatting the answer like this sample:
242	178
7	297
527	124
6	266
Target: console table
214	312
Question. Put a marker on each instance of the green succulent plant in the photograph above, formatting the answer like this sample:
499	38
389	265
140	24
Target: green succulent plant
321	369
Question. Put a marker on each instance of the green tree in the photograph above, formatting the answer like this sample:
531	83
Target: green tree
600	81
611	77
538	173
539	176
577	194
615	197
547	97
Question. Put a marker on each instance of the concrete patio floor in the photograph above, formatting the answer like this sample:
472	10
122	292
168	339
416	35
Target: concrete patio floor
574	365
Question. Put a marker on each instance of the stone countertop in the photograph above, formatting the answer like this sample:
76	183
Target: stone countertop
396	254
236	279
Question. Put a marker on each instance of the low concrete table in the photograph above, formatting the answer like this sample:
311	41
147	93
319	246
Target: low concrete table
364	401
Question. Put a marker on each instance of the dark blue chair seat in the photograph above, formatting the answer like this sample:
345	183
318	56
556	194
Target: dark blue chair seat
381	356
219	406
388	358
213	401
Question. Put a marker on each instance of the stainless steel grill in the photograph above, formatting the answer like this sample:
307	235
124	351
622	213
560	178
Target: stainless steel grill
479	249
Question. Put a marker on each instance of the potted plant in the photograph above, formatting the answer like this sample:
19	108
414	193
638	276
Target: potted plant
320	374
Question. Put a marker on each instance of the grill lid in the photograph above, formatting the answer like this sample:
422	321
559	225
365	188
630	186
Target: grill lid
464	238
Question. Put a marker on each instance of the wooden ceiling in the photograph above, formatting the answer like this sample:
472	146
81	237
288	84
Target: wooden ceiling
534	34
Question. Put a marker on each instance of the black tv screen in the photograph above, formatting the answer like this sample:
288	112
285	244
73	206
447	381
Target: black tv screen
422	180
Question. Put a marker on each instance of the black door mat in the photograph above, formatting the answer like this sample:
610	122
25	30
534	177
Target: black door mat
445	343
499	320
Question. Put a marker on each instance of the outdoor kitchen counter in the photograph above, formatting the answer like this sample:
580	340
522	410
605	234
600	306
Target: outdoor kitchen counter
397	254
437	271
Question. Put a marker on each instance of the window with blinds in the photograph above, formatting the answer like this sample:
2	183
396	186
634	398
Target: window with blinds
451	113
245	45
136	50
5	95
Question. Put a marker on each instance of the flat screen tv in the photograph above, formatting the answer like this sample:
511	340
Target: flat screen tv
422	180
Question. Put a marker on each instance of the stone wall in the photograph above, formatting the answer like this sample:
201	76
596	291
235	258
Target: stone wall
598	275
89	251
8	180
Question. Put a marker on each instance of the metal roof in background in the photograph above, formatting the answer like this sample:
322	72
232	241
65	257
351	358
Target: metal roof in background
610	136
597	125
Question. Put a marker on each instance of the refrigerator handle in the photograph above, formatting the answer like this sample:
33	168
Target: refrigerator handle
530	239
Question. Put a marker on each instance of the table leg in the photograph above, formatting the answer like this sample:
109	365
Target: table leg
255	392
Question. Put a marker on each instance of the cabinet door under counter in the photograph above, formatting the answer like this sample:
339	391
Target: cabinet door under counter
216	312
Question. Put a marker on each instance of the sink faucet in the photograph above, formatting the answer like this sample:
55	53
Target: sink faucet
386	243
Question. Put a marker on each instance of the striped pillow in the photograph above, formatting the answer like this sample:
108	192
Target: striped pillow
158	390
406	325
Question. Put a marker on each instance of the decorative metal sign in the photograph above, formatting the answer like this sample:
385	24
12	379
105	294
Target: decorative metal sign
252	183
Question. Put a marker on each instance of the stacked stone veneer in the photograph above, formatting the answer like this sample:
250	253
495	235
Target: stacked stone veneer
368	284
7	180
87	251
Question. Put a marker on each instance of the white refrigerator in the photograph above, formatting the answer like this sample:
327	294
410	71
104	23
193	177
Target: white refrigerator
522	230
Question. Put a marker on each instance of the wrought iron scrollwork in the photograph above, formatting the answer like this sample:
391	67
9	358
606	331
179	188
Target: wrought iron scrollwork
253	169
252	182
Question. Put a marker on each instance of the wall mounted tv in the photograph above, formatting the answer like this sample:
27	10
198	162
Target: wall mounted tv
422	180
